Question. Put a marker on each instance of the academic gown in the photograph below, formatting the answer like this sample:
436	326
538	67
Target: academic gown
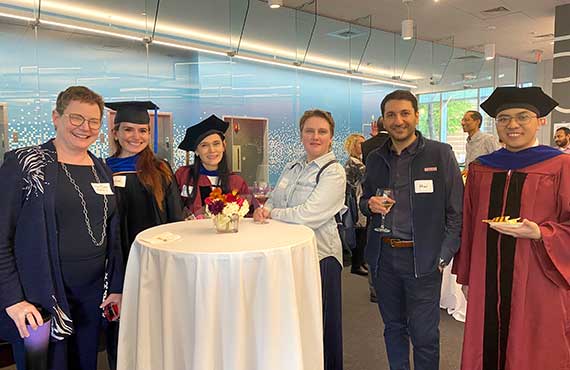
183	177
138	207
518	312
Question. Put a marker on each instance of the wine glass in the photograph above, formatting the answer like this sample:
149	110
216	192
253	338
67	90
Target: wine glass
261	194
387	203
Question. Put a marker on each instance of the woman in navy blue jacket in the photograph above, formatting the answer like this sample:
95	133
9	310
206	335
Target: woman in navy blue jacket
59	237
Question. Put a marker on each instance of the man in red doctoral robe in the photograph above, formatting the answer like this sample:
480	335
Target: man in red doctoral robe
517	275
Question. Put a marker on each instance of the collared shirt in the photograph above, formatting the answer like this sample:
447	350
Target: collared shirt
565	150
480	144
297	198
400	217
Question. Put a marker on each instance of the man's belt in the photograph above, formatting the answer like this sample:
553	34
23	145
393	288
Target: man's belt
397	243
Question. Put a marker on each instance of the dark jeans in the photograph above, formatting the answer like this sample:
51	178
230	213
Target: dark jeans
409	307
332	312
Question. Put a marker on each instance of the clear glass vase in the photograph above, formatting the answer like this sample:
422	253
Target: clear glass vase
223	225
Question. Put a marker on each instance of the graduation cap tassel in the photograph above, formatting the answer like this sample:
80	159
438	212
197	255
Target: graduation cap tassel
156	130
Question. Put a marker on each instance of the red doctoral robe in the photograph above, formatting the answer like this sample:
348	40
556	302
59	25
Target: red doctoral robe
518	312
183	177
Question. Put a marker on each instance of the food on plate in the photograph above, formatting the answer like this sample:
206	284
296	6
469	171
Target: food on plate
504	220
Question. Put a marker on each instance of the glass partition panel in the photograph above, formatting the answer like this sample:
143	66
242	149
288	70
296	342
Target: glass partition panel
505	71
453	107
430	115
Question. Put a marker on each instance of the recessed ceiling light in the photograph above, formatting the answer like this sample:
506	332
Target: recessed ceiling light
274	4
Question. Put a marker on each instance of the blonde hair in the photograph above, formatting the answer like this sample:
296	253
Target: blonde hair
317	113
351	142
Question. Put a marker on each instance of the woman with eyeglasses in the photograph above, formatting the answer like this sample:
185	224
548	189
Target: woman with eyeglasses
59	238
310	192
210	168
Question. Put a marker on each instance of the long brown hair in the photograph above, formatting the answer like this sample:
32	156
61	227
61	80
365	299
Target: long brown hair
152	172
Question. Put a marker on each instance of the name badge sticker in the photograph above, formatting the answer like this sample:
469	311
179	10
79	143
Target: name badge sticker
430	169
120	181
103	188
423	186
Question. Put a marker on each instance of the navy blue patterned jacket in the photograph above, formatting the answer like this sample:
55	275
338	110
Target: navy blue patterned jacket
29	254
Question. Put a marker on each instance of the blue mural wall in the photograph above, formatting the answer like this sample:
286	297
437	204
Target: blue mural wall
190	85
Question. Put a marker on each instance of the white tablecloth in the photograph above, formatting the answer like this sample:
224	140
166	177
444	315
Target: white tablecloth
452	298
207	301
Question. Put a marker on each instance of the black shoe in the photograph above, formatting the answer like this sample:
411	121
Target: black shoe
365	266
373	298
359	271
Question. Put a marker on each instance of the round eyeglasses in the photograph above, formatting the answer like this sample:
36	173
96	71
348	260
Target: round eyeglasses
77	120
521	118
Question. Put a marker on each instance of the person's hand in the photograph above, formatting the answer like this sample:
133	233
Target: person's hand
113	298
465	290
21	311
376	204
528	230
261	214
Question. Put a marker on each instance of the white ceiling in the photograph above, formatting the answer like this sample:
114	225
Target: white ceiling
514	32
282	35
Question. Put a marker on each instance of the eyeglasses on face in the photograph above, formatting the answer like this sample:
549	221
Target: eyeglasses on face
77	120
521	118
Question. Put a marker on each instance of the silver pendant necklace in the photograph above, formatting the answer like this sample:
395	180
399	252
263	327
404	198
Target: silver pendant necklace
84	205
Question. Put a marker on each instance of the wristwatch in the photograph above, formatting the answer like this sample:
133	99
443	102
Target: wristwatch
442	263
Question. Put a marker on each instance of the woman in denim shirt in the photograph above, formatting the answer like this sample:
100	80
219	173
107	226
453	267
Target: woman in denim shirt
298	198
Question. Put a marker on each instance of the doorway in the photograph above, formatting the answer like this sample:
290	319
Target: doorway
246	141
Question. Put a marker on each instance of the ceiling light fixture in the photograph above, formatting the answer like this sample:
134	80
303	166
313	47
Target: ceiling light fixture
275	4
407	29
408	23
489	51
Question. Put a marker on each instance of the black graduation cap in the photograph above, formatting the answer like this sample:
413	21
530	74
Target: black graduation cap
531	98
132	111
197	133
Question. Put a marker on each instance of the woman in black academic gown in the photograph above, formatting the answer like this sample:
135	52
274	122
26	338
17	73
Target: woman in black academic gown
146	188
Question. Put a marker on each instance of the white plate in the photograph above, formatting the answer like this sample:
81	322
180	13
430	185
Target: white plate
507	225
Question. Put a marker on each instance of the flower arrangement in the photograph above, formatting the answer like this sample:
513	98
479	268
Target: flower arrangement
226	209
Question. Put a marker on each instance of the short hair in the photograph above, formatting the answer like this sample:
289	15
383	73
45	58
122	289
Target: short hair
565	129
400	95
350	143
81	94
476	116
317	113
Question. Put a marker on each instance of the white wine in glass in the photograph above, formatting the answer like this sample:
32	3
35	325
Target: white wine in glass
387	203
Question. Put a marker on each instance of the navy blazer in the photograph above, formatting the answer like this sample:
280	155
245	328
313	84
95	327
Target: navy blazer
29	253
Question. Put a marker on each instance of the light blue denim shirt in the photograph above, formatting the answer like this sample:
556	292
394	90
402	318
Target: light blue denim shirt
298	199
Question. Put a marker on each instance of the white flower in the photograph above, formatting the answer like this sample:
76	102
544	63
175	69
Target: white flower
230	209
